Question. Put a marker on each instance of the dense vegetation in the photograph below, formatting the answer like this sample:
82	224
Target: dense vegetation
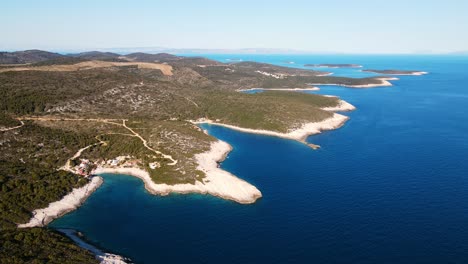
304	81
32	92
29	178
38	245
271	110
6	120
27	56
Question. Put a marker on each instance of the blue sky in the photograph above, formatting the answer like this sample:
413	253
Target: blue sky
347	26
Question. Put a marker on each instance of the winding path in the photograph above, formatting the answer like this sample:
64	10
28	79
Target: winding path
107	121
145	143
12	128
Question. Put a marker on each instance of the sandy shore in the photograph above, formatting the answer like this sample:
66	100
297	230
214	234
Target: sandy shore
299	134
68	203
280	89
217	182
383	83
103	257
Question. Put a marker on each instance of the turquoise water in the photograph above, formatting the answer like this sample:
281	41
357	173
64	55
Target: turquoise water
390	186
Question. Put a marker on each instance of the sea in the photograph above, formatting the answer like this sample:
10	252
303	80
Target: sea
390	186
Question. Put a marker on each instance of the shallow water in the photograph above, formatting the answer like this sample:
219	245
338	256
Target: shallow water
390	186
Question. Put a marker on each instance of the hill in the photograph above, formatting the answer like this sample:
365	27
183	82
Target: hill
146	57
27	56
97	55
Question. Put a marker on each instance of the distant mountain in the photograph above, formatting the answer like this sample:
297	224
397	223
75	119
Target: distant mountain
461	52
235	51
43	58
96	55
146	57
27	56
154	50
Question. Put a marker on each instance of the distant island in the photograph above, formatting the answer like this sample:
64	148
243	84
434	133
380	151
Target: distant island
396	72
333	65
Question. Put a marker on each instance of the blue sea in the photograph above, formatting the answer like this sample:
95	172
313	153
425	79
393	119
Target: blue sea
391	186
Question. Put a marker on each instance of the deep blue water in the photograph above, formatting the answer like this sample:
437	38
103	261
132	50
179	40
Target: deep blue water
391	186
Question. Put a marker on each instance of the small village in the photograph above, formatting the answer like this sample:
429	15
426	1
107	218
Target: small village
276	76
86	167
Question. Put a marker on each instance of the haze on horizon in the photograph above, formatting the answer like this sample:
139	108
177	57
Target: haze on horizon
361	26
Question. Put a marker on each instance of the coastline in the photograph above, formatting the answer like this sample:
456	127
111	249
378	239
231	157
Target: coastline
103	257
71	201
342	106
221	183
300	134
384	82
217	182
418	73
333	67
324	74
279	89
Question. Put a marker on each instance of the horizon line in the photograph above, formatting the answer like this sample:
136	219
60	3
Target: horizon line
233	51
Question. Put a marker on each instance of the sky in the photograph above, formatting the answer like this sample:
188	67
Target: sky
346	26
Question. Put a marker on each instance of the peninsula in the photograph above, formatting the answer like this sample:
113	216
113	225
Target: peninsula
65	119
396	72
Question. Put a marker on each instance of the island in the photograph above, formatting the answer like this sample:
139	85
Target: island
396	72
333	65
66	119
